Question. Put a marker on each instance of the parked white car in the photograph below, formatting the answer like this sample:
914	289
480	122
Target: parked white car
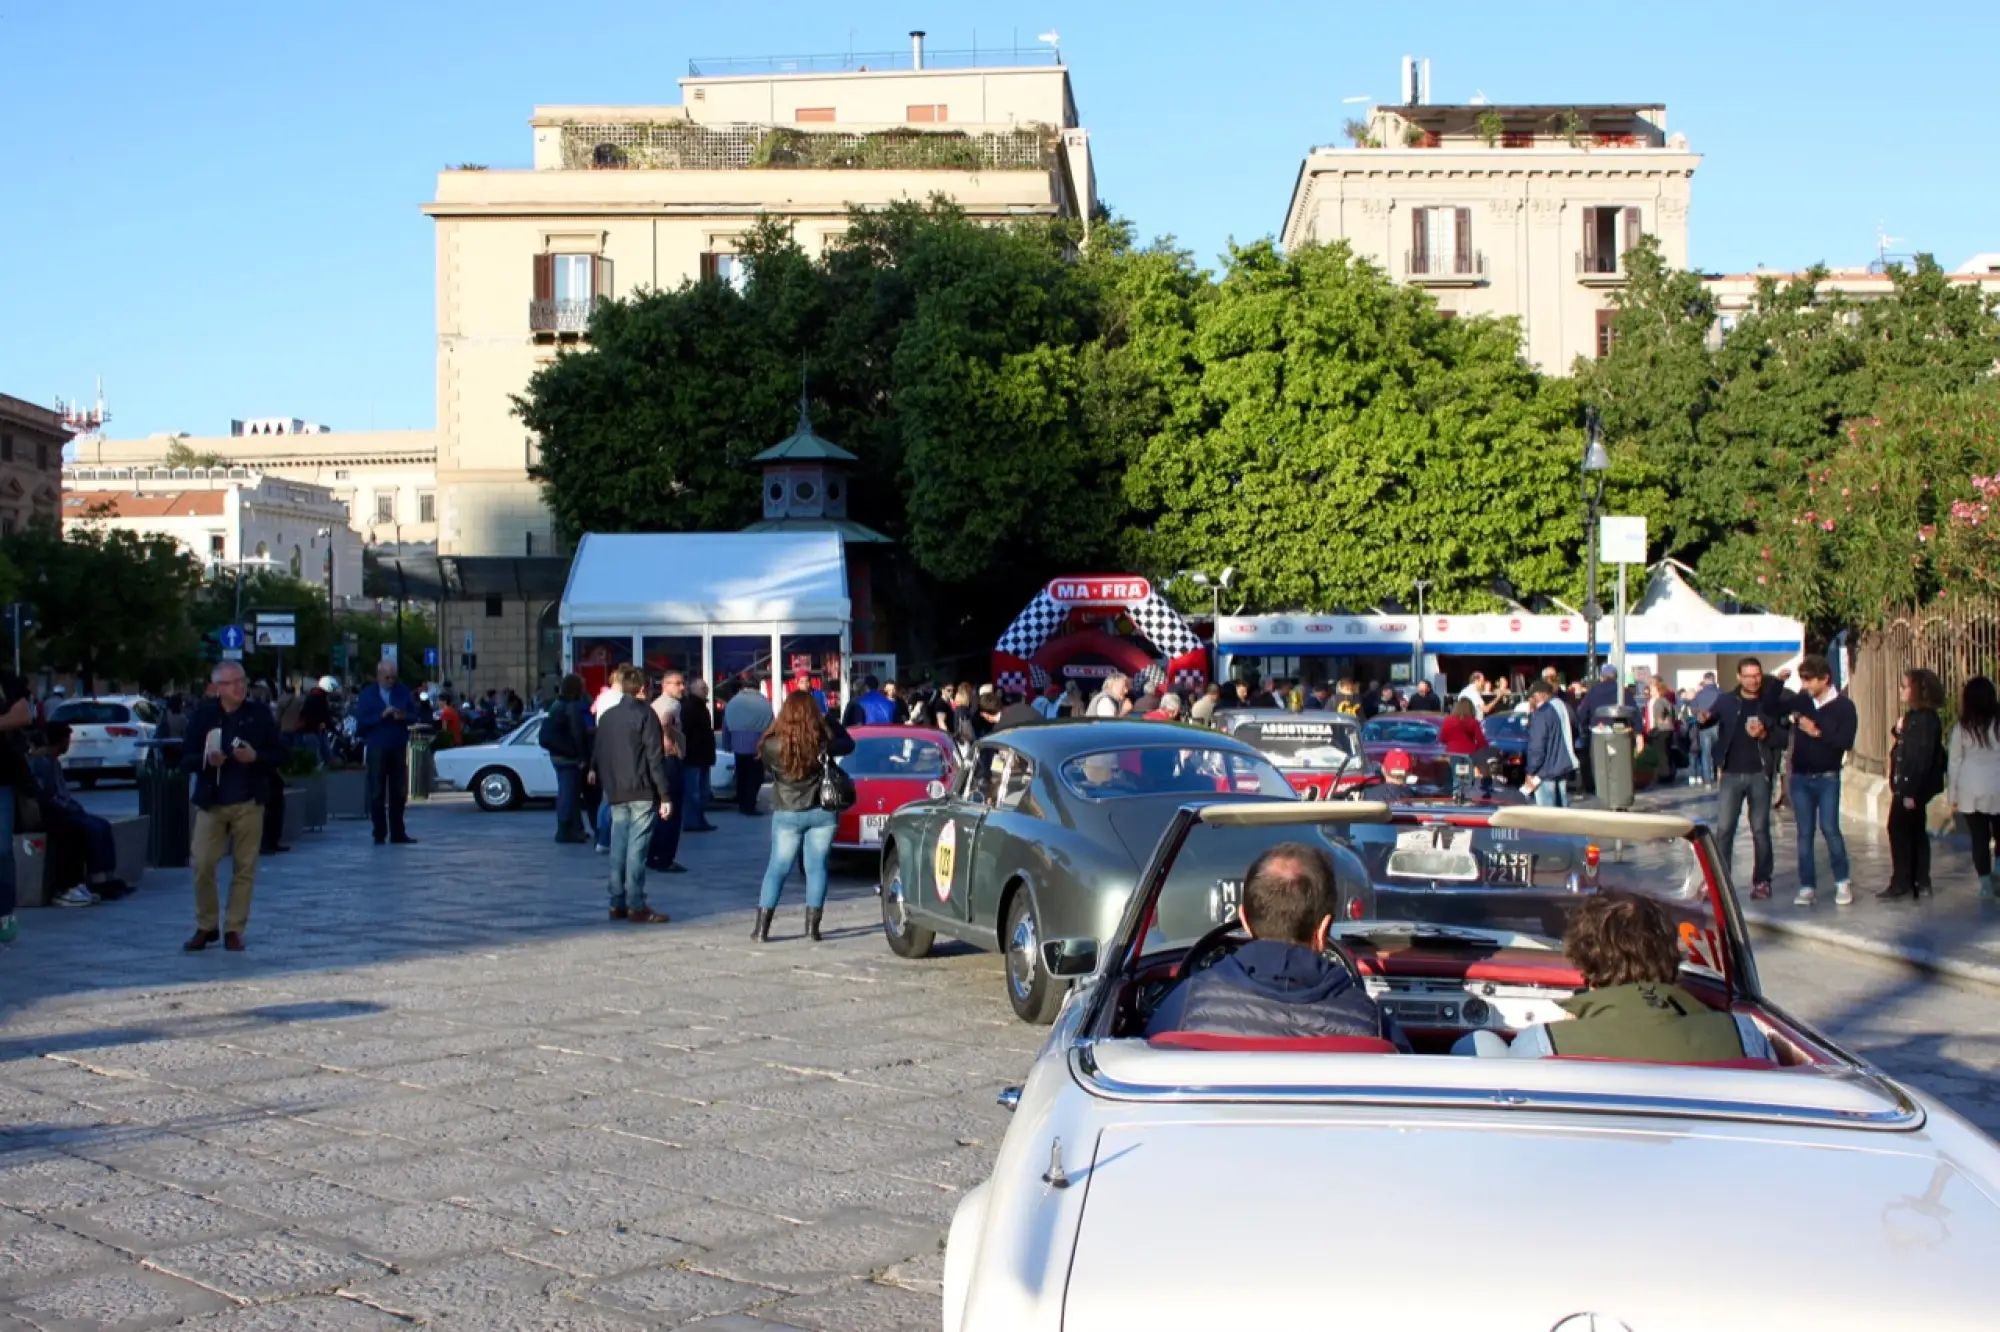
107	736
515	769
1202	1181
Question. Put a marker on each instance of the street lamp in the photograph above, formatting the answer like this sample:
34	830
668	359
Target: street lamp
1596	462
1215	588
1417	667
332	630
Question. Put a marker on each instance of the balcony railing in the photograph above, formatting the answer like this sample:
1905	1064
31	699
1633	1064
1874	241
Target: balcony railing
559	316
1600	268
1445	268
685	145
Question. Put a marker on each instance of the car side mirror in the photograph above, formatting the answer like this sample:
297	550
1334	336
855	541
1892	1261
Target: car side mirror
1070	957
936	790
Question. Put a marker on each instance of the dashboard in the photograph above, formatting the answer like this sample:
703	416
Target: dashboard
1434	1003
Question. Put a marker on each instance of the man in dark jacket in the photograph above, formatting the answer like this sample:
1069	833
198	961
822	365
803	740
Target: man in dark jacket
1750	729
232	748
382	717
1550	758
1281	982
1823	729
698	724
629	756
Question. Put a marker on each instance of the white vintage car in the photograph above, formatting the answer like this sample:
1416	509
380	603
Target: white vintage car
515	768
1193	1181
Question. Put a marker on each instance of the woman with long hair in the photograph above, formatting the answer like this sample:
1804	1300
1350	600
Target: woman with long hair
1916	774
795	751
1973	786
1461	732
1659	723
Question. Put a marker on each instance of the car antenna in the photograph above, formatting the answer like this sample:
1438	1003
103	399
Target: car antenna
1055	1178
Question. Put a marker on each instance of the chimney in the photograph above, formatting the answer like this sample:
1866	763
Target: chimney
917	49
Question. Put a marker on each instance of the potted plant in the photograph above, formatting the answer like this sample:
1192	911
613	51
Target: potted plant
1491	125
305	787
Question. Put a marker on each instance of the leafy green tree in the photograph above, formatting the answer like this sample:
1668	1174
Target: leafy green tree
109	605
1343	440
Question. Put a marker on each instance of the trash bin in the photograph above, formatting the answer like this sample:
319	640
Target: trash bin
420	761
163	799
1612	732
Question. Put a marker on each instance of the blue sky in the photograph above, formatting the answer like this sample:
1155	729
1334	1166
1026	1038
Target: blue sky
214	205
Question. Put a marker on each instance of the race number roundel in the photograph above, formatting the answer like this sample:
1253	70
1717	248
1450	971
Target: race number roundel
944	859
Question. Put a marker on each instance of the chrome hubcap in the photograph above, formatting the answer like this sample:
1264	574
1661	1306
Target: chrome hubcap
895	914
1021	961
497	789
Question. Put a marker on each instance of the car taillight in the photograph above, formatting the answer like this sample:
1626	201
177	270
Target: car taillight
1592	857
1355	909
128	732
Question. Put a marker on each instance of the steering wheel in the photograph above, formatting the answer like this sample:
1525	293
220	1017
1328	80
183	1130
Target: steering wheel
1208	950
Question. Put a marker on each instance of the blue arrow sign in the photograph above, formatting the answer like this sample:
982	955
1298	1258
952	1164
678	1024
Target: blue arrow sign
430	656
232	637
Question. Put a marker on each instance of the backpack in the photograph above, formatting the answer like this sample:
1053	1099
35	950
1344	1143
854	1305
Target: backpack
557	737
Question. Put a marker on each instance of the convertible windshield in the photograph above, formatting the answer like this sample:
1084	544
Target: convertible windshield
1113	774
1300	744
1399	731
910	757
1505	725
1428	876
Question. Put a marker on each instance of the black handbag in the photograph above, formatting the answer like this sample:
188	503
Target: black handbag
836	788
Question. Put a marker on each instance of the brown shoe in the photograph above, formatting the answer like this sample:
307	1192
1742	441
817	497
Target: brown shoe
201	940
233	941
619	913
647	916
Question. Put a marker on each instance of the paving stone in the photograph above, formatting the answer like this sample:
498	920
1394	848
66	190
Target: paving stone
114	1301
56	1183
186	1163
571	1201
821	1255
429	1177
161	1220
603	1251
308	1314
287	1200
841	1145
262	1267
672	1296
707	1224
32	1253
427	1232
456	1289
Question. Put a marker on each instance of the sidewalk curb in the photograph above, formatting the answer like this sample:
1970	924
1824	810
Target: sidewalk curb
1920	959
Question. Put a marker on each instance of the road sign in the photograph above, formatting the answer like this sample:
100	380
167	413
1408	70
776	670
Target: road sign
1621	540
277	636
277	617
468	641
389	653
232	654
232	639
430	656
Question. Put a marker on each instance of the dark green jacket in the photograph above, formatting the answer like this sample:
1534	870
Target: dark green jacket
1660	1023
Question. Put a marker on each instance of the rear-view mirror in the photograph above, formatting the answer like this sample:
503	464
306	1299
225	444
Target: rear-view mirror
1070	957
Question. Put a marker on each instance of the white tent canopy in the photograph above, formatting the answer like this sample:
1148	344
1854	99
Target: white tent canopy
1669	596
708	580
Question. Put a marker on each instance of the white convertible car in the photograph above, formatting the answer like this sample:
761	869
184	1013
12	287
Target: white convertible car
1203	1182
515	769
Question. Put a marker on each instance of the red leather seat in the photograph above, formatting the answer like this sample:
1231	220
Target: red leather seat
1204	1040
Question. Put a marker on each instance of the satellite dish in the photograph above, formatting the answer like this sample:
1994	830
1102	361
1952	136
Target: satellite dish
1478	98
1051	37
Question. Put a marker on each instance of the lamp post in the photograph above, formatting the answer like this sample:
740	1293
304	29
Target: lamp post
1417	667
332	630
1215	587
1596	462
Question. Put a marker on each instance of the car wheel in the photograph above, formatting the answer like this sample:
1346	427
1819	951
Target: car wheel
905	939
1035	994
496	789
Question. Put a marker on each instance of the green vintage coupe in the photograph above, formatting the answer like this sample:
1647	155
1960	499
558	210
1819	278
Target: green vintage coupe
1042	836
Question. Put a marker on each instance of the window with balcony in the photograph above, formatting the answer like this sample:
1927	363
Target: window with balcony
385	506
217	546
1441	245
427	506
927	113
566	287
728	269
1609	230
1607	332
809	115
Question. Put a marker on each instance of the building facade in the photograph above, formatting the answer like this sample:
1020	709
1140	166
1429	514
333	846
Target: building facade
226	517
1519	211
386	479
1736	294
31	459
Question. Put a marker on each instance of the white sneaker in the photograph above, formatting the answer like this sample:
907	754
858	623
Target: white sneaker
78	896
1843	893
1805	898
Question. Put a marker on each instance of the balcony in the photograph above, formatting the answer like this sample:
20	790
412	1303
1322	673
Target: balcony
1445	270
685	145
562	318
1600	268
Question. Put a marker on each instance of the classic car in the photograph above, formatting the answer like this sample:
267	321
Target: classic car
510	771
1415	736
1191	1181
1508	733
891	766
1044	831
1319	752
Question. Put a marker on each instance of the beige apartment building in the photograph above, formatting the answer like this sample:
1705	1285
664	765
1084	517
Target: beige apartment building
1736	293
1504	209
31	459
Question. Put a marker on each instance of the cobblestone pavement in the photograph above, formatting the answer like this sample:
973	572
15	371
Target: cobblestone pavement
441	1088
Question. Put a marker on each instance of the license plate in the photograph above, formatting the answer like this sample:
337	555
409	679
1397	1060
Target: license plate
872	826
1512	868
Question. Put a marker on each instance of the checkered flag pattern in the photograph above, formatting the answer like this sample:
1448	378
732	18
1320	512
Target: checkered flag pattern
1037	677
1163	626
1150	678
1012	680
1186	680
1032	627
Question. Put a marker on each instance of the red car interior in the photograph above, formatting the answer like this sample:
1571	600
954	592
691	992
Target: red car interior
1201	1040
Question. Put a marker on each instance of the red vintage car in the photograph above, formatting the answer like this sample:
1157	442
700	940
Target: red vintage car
1414	738
891	766
1318	752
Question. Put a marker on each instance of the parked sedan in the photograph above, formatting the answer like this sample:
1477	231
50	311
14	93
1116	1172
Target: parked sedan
503	774
106	736
1044	831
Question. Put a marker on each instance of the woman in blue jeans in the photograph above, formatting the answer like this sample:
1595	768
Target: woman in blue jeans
800	741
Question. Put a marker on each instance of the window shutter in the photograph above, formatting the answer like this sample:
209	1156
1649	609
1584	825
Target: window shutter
600	277
1420	240
545	277
1607	333
1464	240
707	266
1632	228
1590	240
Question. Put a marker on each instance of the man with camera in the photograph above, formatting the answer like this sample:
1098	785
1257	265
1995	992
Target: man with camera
232	749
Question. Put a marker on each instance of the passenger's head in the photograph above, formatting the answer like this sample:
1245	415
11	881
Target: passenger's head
1621	938
1289	895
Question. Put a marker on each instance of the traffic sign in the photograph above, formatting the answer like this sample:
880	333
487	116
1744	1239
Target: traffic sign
232	638
277	636
389	653
277	617
430	656
1621	540
468	641
232	654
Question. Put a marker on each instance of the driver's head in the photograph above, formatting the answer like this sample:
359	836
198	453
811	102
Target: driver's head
1289	895
1099	769
1620	938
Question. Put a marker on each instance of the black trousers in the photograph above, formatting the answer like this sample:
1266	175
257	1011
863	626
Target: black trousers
388	791
1909	846
749	780
1984	828
274	813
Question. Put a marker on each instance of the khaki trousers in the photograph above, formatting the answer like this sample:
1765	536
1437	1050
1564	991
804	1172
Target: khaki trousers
239	828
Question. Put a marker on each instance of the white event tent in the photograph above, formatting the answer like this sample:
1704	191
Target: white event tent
767	606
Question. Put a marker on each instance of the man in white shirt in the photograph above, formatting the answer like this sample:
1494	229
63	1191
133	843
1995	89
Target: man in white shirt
1115	699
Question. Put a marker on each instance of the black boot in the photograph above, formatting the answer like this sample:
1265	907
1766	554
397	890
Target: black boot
812	924
761	932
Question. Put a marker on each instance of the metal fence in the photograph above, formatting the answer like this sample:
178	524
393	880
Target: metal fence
1957	639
